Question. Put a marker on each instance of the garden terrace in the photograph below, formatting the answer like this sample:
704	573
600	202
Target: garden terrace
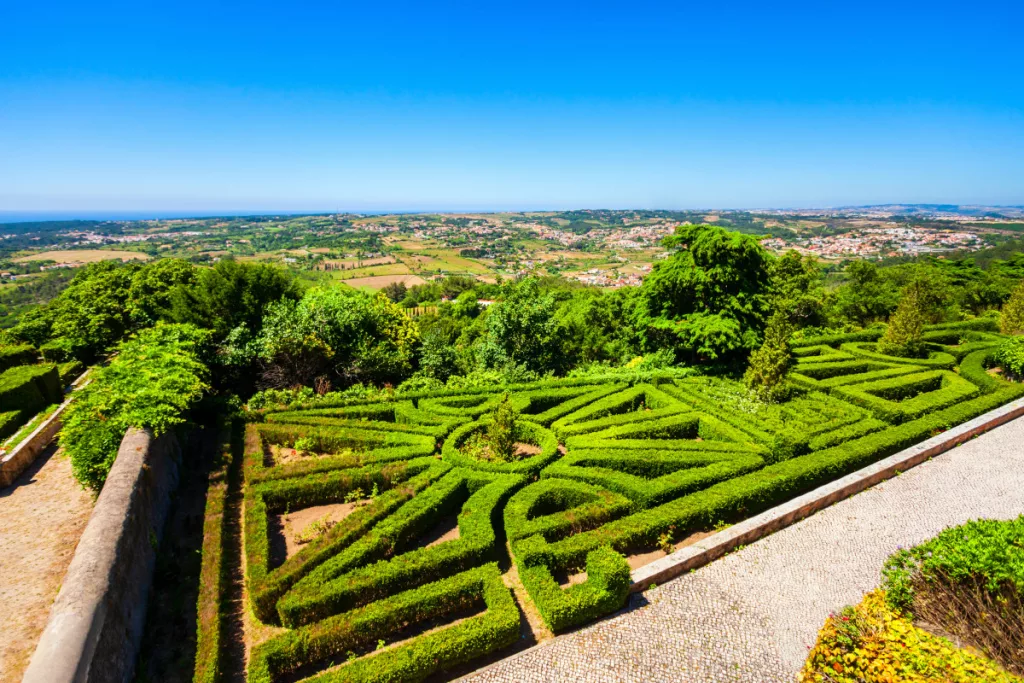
439	553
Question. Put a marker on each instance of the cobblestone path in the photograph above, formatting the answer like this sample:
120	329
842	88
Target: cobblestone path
752	615
42	516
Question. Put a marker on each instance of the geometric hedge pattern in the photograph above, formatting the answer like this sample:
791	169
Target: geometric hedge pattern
616	467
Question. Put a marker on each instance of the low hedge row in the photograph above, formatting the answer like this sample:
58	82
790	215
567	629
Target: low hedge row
554	508
30	388
375	567
362	630
548	405
651	477
213	576
438	431
804	376
819	353
380	447
871	334
10	422
683	431
396	484
785	430
604	591
748	494
631	400
974	367
897	399
13	355
530	432
935	359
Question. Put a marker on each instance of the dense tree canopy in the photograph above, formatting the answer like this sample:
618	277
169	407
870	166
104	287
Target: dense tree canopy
338	335
709	299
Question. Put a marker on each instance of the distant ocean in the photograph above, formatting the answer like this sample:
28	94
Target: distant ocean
34	216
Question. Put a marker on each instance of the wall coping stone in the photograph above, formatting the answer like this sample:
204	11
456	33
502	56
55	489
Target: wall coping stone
96	622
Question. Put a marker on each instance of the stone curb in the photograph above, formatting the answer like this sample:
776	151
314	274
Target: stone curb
719	544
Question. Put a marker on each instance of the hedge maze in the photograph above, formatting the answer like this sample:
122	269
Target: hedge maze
609	470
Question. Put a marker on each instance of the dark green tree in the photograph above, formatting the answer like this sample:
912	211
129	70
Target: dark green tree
708	301
230	294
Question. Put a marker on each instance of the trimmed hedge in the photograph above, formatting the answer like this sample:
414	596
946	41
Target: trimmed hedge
651	477
375	447
359	631
554	508
10	422
897	399
30	388
375	567
17	354
635	399
604	591
644	461
935	359
748	494
397	483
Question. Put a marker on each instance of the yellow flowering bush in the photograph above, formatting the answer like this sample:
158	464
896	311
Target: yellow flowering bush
872	643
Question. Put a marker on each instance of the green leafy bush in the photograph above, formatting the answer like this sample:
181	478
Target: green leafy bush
1010	357
155	378
770	363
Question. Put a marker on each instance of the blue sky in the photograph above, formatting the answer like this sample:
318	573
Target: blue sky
315	106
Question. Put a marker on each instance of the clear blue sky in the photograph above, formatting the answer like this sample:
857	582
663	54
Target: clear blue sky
215	106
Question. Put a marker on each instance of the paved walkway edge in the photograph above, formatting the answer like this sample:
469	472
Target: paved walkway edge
719	544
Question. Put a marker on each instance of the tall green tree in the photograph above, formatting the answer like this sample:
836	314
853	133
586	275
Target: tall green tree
520	330
339	334
231	294
903	335
770	364
708	301
1012	319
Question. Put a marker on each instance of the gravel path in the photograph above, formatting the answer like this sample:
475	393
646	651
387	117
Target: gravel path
752	615
42	515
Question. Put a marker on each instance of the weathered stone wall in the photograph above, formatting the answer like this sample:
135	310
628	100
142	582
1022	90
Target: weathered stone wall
97	619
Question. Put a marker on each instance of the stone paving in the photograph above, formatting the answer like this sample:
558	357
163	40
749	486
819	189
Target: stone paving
42	515
752	615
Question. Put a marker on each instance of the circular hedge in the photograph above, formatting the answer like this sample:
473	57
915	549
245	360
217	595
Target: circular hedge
530	432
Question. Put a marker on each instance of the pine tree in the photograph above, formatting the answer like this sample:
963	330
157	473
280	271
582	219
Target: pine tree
1012	319
770	364
903	336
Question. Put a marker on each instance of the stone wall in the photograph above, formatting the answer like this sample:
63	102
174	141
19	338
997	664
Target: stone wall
97	619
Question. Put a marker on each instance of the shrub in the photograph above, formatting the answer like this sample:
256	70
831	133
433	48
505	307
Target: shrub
1010	357
969	580
870	643
18	354
30	388
155	378
503	431
604	591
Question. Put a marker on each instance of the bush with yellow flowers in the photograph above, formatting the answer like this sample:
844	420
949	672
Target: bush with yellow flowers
872	643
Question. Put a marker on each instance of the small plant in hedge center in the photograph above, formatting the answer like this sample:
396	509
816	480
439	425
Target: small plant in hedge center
503	432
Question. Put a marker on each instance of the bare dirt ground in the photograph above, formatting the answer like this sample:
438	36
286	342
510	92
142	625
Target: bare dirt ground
42	516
